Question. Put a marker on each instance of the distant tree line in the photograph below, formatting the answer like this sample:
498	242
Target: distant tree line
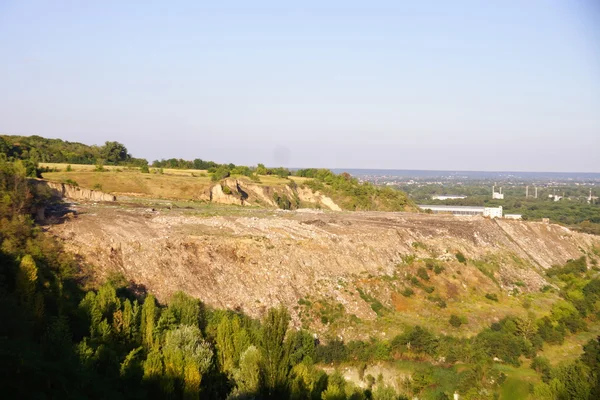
36	149
178	163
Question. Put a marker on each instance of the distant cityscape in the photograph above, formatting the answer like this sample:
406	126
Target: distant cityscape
405	176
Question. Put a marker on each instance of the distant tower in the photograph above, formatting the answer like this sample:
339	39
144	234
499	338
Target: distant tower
499	195
590	198
526	192
536	192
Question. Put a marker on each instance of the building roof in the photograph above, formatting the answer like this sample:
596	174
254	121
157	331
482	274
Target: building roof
452	208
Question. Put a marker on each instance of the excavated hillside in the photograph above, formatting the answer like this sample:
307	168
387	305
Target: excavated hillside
265	191
337	272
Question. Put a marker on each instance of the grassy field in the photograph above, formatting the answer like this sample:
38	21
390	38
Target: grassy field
134	183
572	348
518	381
90	168
188	184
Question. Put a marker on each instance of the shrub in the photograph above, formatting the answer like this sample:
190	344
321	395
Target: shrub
69	169
576	267
422	273
418	245
71	182
226	189
304	302
334	351
144	169
282	201
219	173
97	186
255	178
491	296
455	321
441	303
438	269
461	257
407	292
541	365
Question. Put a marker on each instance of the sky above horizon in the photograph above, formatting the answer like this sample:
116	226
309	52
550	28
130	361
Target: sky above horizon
463	85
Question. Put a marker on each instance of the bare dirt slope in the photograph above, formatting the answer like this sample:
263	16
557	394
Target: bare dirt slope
252	259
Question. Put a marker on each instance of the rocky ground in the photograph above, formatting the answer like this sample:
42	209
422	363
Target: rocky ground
315	262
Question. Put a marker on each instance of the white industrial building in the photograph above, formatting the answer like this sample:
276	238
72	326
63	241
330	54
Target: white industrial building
447	197
497	195
592	199
491	212
513	216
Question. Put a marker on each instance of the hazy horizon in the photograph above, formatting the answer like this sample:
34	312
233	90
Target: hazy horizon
461	86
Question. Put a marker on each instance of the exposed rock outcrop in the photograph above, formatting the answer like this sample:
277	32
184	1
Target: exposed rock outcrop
217	195
253	194
64	190
309	196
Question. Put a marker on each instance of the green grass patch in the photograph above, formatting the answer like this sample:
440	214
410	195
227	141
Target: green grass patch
373	302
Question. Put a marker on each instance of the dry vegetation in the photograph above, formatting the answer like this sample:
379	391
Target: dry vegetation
182	184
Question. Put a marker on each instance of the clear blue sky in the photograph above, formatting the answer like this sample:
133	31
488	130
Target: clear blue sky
474	85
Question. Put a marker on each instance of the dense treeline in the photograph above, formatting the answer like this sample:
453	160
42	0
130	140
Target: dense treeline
36	149
178	163
482	189
221	171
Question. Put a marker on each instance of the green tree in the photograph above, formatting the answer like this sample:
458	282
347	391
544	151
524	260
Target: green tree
301	347
185	308
131	369
224	344
4	148
153	365
248	376
336	388
261	169
25	285
187	358
384	392
574	379
148	321
114	152
276	357
307	382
